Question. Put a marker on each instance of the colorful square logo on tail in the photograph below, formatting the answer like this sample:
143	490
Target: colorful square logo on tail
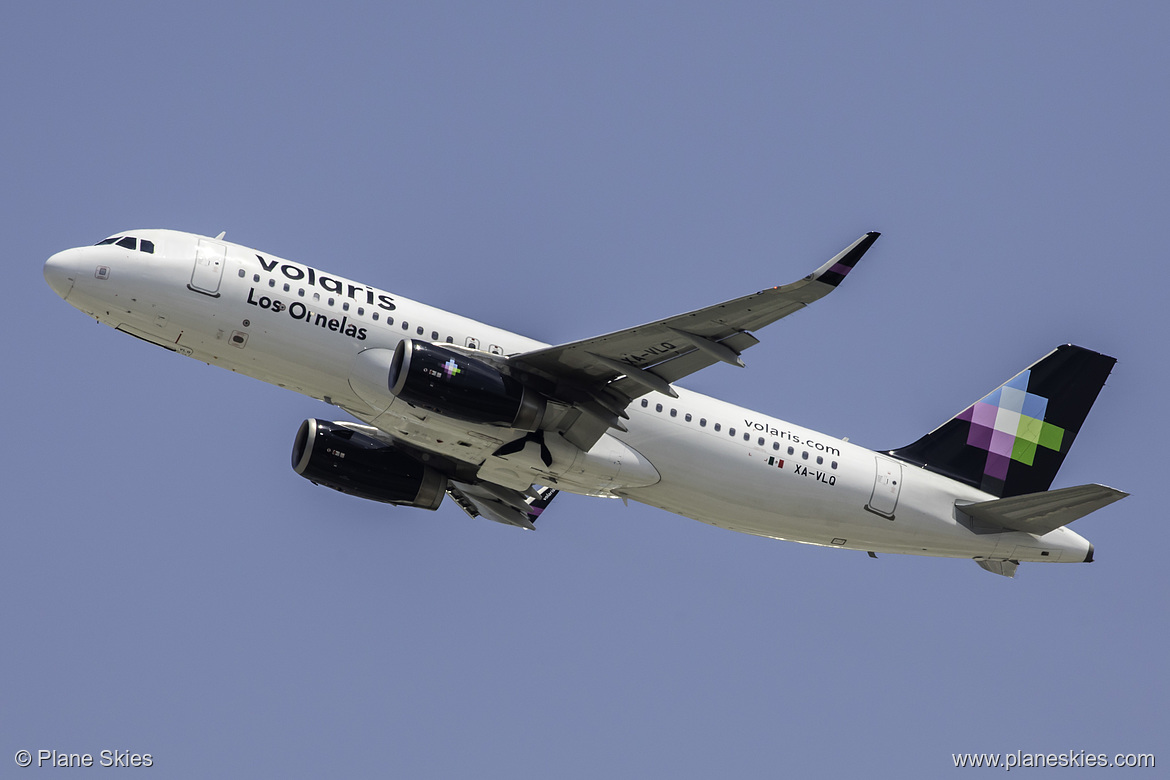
1009	425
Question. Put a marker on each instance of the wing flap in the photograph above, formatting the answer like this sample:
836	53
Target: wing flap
1040	513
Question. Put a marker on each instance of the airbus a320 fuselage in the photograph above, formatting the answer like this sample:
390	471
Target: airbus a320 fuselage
449	406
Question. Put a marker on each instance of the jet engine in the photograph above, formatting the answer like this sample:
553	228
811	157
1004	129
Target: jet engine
332	455
455	385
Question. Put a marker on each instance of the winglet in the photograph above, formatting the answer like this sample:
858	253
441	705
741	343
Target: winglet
838	268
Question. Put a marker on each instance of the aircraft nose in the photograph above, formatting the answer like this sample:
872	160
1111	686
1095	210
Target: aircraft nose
60	273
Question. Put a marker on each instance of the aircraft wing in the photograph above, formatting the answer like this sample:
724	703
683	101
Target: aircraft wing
601	375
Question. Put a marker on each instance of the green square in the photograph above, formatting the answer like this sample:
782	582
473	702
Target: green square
1051	436
1029	430
1024	451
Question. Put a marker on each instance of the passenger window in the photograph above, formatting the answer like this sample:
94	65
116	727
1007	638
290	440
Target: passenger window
718	427
820	460
405	325
241	273
658	407
301	292
389	320
329	302
833	464
761	441
791	451
450	340
775	445
129	242
702	422
271	282
418	330
688	417
361	311
674	412
345	305
731	431
375	316
317	296
434	335
804	455
147	246
645	403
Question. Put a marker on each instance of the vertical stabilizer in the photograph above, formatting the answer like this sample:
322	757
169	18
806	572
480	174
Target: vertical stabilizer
1013	440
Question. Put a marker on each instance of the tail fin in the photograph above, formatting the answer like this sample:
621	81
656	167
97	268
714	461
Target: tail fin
1014	440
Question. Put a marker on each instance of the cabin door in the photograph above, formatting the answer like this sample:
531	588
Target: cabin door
209	262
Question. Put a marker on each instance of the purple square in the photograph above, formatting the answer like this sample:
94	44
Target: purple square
984	414
966	414
1002	443
997	466
980	437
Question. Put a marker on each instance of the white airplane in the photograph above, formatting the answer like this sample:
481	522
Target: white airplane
500	423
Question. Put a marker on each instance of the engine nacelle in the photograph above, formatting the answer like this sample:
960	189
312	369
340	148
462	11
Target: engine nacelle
455	385
332	455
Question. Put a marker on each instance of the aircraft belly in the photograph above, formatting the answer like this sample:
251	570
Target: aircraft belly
608	466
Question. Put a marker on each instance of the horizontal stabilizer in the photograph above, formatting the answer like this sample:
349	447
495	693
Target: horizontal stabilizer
1039	513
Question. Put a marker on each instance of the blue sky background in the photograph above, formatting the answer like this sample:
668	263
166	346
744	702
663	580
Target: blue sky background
170	586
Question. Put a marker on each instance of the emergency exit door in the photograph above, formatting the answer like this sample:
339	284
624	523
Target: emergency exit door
887	482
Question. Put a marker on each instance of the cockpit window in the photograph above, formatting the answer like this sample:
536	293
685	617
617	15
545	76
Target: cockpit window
129	242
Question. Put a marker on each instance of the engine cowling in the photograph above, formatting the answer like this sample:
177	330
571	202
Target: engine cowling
348	461
455	385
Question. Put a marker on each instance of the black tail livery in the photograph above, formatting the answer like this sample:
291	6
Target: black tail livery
1013	440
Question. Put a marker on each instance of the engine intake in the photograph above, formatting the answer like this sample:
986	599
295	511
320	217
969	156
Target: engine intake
337	457
452	384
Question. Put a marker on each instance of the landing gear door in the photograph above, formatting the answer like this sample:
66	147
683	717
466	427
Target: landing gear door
886	484
209	262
